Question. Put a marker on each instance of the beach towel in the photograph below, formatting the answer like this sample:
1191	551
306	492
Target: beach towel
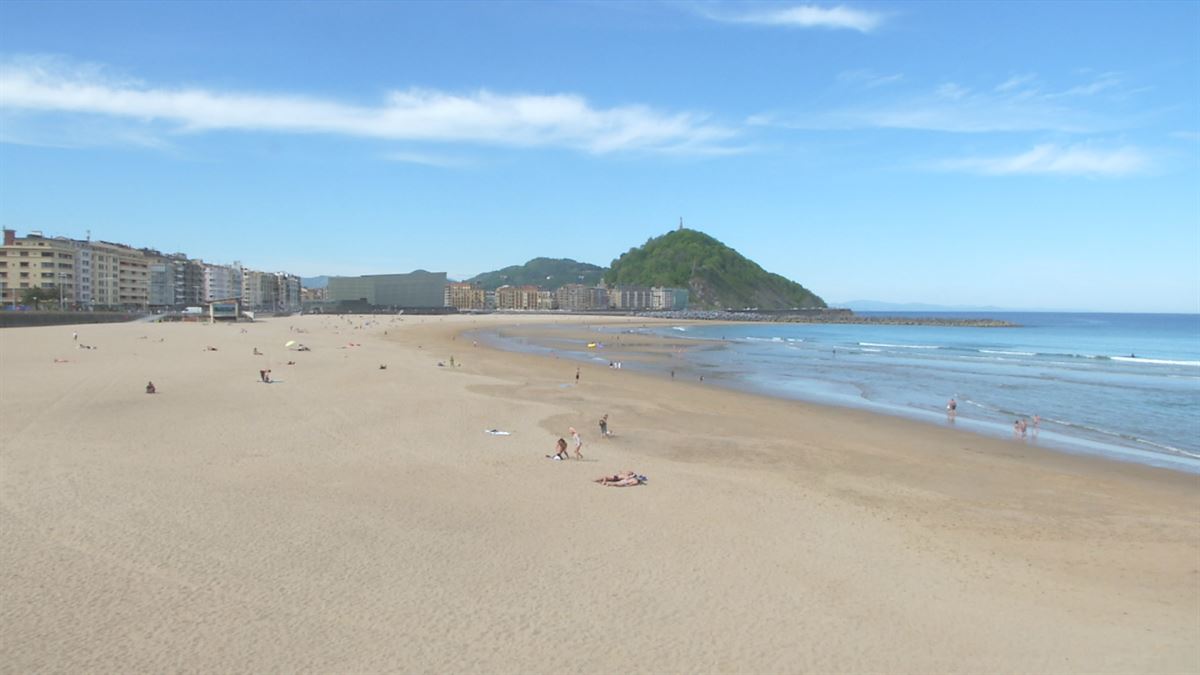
497	432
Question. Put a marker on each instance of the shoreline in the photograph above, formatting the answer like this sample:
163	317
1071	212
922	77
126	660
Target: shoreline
353	518
551	339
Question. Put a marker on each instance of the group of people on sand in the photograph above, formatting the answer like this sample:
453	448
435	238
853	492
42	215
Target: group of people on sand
561	446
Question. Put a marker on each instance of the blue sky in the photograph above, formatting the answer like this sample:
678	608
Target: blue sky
1010	154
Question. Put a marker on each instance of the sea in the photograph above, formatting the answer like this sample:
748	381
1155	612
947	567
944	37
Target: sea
1122	386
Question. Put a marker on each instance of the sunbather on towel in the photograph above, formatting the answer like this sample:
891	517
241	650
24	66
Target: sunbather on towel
622	479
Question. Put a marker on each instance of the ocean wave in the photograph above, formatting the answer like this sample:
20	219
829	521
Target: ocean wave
1001	351
679	328
884	344
759	339
1161	362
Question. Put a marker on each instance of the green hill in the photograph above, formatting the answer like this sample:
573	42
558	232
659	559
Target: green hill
716	275
549	273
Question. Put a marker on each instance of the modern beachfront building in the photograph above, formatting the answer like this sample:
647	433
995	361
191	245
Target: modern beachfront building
415	290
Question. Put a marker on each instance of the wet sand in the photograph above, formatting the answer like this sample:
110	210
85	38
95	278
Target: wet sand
353	519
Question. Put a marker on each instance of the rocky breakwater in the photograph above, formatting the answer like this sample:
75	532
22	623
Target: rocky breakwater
825	316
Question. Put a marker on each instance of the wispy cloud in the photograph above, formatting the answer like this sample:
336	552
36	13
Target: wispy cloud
799	16
481	117
1015	81
1079	160
867	79
428	159
1014	105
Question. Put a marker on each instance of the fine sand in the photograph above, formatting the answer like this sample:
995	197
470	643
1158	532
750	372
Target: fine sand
352	519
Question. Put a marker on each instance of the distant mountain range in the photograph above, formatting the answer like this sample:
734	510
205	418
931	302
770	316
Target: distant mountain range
715	275
549	273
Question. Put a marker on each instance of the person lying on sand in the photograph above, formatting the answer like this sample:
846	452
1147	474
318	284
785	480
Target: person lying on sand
622	479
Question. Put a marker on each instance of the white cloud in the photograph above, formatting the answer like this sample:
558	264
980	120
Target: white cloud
484	117
803	16
953	108
1054	159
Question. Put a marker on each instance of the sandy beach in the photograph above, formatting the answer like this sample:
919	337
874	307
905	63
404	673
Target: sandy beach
348	518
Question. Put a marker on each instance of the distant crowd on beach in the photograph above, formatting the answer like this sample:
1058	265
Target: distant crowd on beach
1021	426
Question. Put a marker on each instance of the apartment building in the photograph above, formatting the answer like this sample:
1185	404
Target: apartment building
465	296
577	297
629	297
641	298
517	297
35	261
668	298
222	282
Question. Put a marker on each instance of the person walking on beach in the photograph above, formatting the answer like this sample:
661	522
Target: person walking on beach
75	335
577	441
951	408
604	426
576	375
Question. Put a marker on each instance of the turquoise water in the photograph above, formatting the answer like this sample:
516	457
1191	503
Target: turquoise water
1125	386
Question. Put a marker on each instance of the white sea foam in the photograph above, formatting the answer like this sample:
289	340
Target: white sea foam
884	344
1001	351
1161	362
